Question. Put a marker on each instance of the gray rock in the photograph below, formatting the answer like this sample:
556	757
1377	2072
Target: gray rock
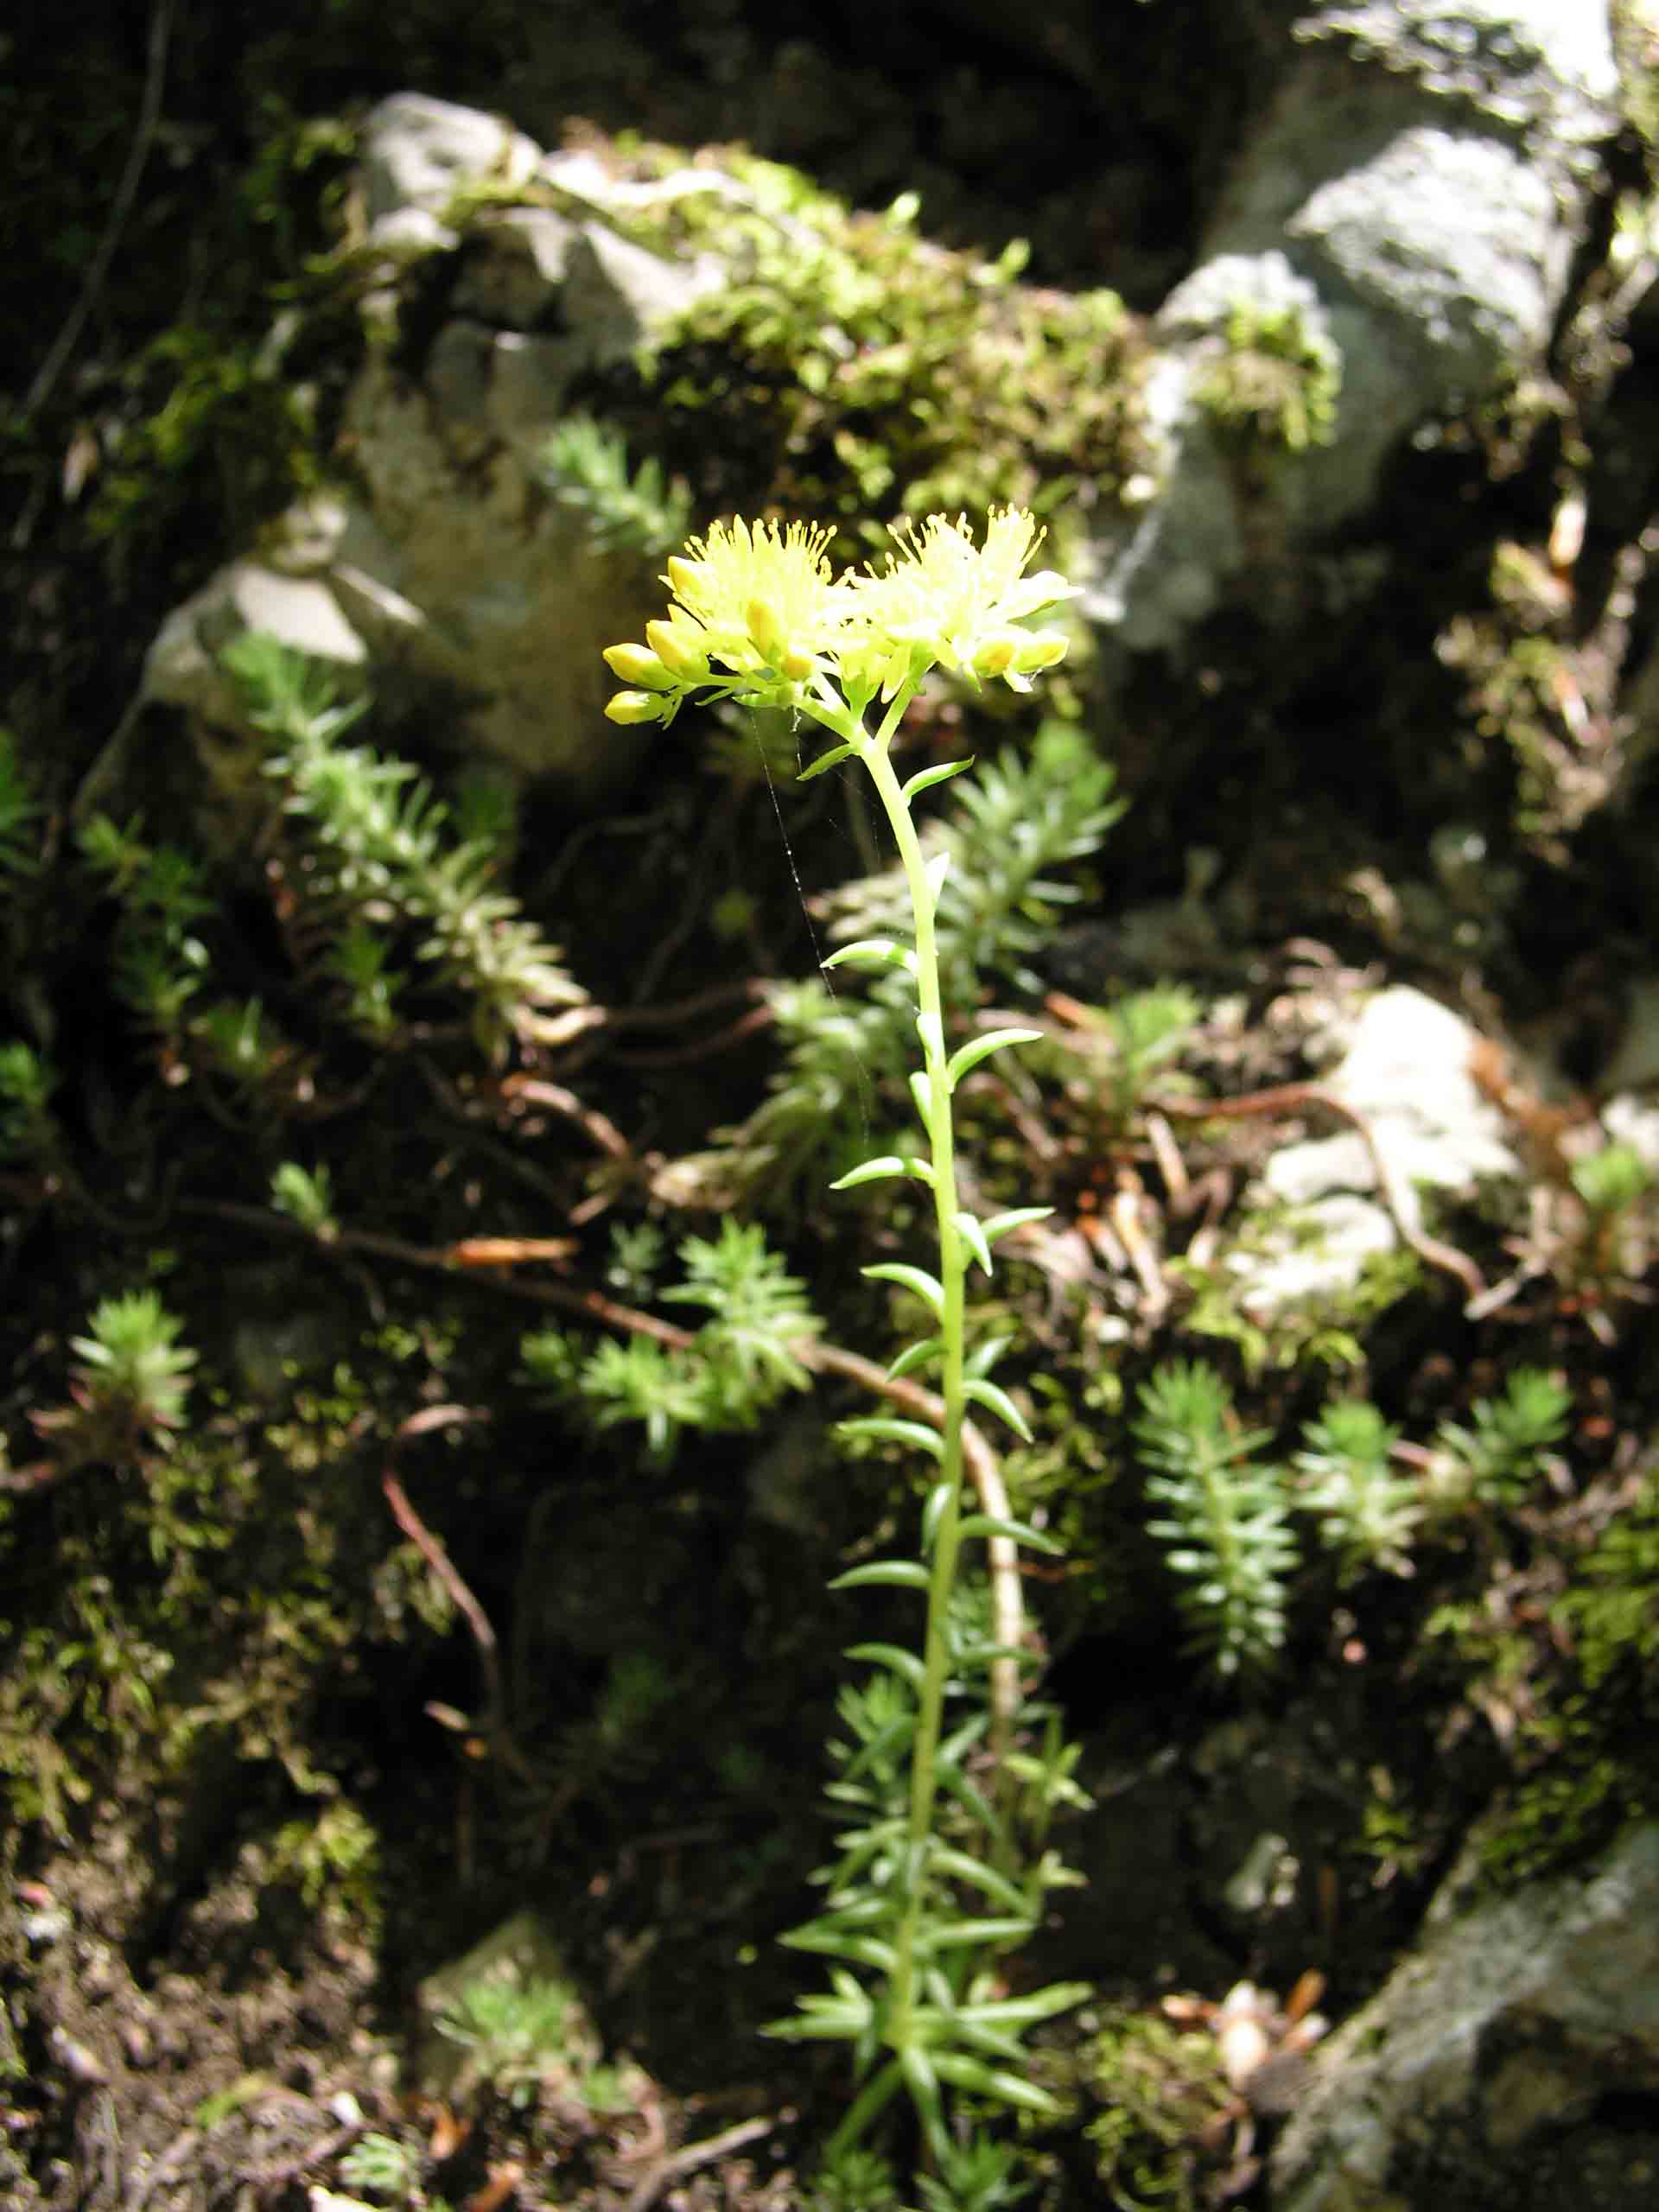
1310	1254
1488	2050
409	234
1544	66
181	668
506	603
515	267
618	295
1167	566
419	152
1403	1061
1405	1065
446	563
1634	1121
1416	192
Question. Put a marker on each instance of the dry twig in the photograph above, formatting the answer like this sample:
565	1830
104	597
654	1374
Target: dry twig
695	2156
1297	1098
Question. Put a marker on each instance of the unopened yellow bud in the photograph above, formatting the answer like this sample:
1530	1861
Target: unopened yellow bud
635	707
679	649
638	664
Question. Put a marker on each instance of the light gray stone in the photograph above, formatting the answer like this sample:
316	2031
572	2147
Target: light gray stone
1311	1254
510	605
1417	191
1406	1067
181	668
445	563
618	295
1634	1121
516	266
409	234
419	152
1504	2028
1403	1060
1545	64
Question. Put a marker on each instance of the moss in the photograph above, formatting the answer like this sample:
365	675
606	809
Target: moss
332	1857
197	1606
1158	2140
1073	1470
1558	1819
1581	1700
1594	1764
853	370
1274	388
224	408
1530	701
1399	1836
1613	1612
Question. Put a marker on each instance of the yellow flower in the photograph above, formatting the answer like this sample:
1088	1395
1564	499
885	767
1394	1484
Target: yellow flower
758	600
756	615
959	602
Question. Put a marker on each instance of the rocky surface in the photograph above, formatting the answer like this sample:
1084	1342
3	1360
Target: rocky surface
443	568
1413	198
1504	2064
1400	1060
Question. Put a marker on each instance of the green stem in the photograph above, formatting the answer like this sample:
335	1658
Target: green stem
924	1776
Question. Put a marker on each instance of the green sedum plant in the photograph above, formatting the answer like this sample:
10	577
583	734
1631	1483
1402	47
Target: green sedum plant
382	854
127	1389
1127	1047
944	1863
1147	1029
1225	1523
511	2027
389	2167
1612	1183
27	1125
159	959
306	1196
740	1361
585	465
1497	1455
1023	816
1368	1509
1226	1509
1003	840
20	816
129	1359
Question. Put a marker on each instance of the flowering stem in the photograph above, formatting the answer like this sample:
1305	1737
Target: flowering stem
924	1779
757	616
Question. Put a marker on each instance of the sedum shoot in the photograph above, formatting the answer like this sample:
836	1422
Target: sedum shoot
936	1875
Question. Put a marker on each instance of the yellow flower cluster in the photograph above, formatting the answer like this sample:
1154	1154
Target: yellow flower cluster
963	604
757	615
